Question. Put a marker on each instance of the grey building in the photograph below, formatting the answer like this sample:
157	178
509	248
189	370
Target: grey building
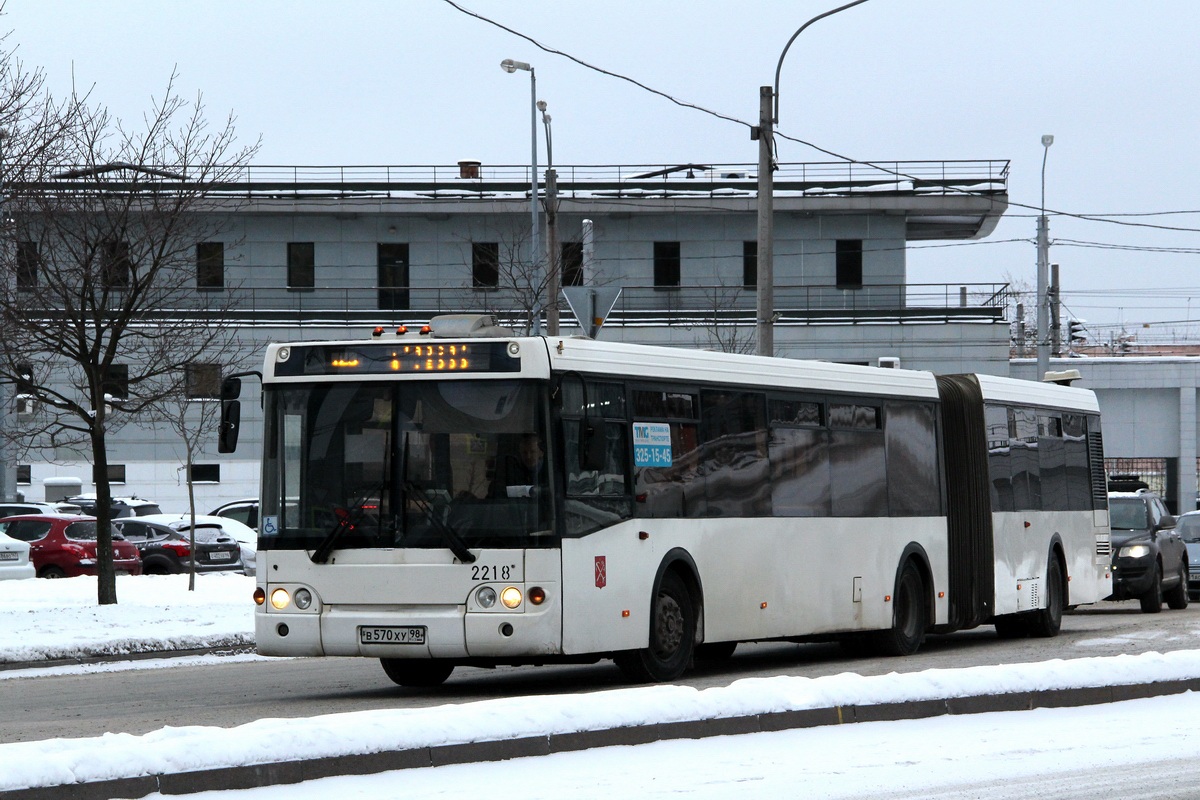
310	253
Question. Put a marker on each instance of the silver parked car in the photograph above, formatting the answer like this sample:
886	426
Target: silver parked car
14	559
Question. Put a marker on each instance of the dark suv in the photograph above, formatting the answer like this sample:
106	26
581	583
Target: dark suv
1149	560
166	551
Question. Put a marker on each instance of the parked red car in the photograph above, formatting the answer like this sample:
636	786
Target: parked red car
64	545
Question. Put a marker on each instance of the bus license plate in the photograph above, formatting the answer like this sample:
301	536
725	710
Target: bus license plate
392	634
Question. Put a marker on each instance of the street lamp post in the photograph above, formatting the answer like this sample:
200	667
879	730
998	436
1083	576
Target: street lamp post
1043	274
768	116
553	257
510	66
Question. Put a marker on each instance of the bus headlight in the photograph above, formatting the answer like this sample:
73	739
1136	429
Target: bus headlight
280	599
511	597
1135	551
304	599
485	597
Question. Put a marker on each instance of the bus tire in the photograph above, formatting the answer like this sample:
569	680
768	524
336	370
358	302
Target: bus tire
416	672
1177	597
1046	622
672	636
1152	600
909	616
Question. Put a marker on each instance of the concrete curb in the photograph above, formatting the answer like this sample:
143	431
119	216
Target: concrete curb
232	649
288	772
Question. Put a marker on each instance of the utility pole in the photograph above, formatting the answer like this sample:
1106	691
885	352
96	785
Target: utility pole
765	277
1043	278
1055	313
768	117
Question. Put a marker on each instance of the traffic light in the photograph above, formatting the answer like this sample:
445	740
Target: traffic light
1077	331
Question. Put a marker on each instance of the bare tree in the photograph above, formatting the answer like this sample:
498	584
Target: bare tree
99	304
508	283
727	328
192	416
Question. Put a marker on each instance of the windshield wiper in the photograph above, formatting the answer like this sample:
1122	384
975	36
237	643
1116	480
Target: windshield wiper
321	554
344	523
451	537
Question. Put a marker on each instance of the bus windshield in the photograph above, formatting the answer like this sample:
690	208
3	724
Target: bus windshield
422	464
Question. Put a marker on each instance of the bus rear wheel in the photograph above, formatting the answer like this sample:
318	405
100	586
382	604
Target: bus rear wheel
909	616
416	672
1046	623
672	636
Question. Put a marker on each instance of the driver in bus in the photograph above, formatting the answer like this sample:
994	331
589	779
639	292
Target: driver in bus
521	473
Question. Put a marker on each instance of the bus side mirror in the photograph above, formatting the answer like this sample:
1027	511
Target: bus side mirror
231	419
231	389
591	448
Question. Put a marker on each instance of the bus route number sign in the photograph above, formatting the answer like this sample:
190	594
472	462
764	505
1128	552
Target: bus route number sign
651	444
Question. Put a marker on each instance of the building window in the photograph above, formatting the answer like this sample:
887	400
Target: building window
485	265
115	265
116	473
849	264
116	382
203	381
29	262
572	263
301	265
666	265
749	264
24	474
205	473
392	260
210	265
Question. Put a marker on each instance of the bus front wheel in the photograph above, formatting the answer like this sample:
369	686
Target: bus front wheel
672	636
416	672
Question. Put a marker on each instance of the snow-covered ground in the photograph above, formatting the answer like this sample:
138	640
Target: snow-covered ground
57	619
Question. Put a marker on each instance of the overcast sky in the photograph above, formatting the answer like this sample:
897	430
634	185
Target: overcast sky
405	82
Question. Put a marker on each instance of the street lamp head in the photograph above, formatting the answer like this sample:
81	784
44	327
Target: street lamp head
1047	140
541	106
510	66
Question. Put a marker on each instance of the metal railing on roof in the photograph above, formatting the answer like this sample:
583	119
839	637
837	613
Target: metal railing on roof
452	182
357	302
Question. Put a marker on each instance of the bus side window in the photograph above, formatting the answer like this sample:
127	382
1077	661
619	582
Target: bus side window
596	497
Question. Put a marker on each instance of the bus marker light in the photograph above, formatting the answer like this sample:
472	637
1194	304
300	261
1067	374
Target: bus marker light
403	329
511	597
643	535
426	330
537	595
1018	587
260	596
1028	524
378	331
280	599
625	613
764	605
941	595
887	598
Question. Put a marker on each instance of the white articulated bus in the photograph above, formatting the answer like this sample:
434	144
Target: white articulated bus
469	497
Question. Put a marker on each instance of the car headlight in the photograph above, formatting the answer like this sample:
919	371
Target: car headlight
1134	551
